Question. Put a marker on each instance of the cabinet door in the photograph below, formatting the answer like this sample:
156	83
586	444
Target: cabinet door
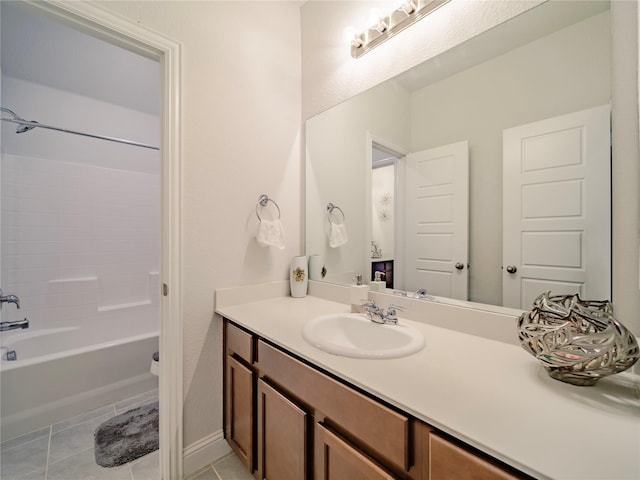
337	460
282	436
451	462
239	421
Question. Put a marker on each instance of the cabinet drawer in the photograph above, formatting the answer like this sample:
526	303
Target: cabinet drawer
373	426
452	462
239	342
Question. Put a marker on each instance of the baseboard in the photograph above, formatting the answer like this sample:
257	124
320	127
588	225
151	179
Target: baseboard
204	451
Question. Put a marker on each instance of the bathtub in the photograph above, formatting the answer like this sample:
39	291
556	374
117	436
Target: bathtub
55	378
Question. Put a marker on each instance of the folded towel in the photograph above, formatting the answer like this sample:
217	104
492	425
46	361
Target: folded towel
337	234
271	233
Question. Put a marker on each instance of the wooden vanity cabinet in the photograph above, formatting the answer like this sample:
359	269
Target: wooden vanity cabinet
450	461
337	459
239	387
282	436
354	436
287	420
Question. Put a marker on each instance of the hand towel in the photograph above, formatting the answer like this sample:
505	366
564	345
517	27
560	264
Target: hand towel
337	234
271	233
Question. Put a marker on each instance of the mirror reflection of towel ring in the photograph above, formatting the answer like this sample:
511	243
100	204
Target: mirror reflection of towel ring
330	208
263	200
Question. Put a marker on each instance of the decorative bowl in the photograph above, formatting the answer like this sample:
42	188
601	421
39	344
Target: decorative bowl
577	341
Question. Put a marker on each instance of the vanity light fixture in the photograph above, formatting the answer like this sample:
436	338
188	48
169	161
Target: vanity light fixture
382	27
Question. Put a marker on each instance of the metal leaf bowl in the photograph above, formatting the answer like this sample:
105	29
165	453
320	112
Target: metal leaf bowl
577	341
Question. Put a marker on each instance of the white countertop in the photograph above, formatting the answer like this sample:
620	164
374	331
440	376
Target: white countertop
490	394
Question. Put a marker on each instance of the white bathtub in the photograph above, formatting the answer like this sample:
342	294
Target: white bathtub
54	378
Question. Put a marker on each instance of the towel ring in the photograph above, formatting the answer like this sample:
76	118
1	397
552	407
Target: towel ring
263	200
330	208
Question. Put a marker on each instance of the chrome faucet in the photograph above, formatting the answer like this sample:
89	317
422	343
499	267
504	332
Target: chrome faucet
420	293
9	299
377	315
4	326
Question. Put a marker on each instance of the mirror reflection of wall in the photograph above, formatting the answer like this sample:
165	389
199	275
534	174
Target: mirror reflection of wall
561	72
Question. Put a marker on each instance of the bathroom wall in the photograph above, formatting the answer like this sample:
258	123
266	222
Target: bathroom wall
243	94
240	138
338	172
330	75
80	216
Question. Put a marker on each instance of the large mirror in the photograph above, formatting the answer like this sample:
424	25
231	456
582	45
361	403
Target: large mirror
549	62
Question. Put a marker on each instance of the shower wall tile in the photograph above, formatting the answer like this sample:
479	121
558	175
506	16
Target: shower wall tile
67	221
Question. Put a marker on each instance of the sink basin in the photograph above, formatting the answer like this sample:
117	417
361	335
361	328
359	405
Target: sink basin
354	335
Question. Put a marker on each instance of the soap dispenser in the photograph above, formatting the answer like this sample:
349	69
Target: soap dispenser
377	284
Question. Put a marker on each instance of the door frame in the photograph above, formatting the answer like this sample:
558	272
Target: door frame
400	152
114	29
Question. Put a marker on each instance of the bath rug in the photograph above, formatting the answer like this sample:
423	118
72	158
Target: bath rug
128	436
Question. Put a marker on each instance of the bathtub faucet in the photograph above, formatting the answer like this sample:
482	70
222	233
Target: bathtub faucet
9	299
4	326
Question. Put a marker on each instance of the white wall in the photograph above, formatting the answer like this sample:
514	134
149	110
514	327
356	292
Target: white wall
626	166
60	108
330	75
240	138
80	216
337	171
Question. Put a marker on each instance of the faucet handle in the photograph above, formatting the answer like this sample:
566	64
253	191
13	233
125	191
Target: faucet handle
390	316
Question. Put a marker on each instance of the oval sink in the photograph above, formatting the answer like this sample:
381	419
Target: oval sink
354	335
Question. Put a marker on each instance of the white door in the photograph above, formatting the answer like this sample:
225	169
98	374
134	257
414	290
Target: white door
557	208
437	220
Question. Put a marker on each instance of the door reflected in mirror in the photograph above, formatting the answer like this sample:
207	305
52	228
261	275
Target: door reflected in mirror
504	78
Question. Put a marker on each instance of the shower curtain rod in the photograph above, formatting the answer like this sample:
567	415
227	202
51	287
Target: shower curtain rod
26	125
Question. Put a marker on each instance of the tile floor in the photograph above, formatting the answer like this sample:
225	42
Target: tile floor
65	451
227	468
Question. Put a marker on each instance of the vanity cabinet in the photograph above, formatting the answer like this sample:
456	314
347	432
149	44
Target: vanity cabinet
337	459
289	420
239	386
282	436
450	461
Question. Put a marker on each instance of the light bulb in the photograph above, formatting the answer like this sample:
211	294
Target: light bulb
352	37
407	6
377	21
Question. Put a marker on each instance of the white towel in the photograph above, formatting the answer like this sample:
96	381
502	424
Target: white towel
337	234
271	234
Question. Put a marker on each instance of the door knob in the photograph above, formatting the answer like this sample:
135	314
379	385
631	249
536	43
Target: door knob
512	269
459	265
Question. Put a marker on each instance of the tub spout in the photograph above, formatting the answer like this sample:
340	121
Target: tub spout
4	326
9	299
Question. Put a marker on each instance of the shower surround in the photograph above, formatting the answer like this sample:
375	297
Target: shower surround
80	247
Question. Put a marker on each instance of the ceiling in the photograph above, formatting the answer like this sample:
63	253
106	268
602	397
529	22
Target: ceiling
41	50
